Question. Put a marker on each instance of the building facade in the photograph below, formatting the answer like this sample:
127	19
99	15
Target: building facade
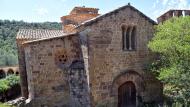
95	60
172	13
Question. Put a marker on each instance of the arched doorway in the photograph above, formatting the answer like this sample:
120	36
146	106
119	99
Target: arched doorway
127	95
2	74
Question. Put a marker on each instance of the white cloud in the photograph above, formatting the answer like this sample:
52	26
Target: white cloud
155	3
63	0
177	4
162	6
42	11
164	2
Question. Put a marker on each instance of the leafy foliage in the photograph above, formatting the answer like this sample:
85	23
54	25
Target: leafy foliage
5	105
4	85
8	82
172	42
8	30
13	80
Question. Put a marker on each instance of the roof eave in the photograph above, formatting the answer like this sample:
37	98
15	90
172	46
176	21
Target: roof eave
50	38
91	21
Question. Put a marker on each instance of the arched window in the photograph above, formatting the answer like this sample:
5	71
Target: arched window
129	37
133	41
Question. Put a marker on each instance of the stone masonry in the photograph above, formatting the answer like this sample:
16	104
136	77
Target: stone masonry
109	63
85	65
76	17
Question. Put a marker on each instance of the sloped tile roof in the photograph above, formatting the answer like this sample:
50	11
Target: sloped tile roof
78	18
49	38
38	33
80	9
94	20
85	8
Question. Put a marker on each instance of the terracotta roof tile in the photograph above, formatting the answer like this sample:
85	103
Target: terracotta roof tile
49	38
86	8
78	10
78	18
38	33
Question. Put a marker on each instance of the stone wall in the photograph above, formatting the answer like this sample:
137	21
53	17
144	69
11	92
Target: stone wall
63	71
56	75
22	68
107	60
78	85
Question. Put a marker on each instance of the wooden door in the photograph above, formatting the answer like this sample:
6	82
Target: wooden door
127	95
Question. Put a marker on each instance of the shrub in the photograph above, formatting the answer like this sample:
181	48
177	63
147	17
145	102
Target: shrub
13	80
172	43
5	105
4	85
8	82
9	88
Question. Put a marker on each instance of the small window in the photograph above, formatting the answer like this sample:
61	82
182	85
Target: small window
129	38
61	57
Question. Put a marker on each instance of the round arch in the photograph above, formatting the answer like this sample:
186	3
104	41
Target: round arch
127	94
17	72
127	76
2	74
10	72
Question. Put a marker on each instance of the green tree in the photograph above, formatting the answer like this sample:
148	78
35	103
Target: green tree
8	82
8	31
172	42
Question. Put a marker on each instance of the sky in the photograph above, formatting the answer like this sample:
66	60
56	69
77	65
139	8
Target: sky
52	10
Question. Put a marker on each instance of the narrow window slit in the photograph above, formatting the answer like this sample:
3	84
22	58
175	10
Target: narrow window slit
129	37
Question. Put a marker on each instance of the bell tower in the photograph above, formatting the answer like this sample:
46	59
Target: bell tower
76	17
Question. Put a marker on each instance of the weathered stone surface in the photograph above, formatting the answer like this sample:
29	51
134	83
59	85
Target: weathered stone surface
107	60
78	85
22	68
87	68
50	85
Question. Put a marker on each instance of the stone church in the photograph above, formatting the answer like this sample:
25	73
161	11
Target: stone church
94	60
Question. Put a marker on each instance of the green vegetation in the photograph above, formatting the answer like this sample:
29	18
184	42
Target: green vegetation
9	88
8	82
5	105
172	43
8	30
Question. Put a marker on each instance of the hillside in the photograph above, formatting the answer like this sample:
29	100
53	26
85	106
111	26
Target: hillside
8	30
